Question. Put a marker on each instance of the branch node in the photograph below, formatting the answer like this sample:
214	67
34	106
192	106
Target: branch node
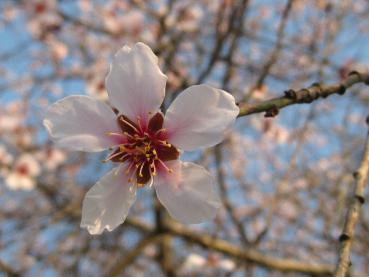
363	77
290	94
341	90
360	198
344	237
316	84
356	174
354	72
272	112
306	96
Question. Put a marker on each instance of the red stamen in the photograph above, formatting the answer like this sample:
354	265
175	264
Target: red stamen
129	124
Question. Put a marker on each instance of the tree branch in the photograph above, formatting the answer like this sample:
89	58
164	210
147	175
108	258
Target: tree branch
305	95
8	270
128	258
353	213
224	195
278	46
249	255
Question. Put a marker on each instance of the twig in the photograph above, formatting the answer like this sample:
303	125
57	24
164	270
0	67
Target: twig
249	255
352	216
306	95
278	46
8	270
224	195
245	255
128	258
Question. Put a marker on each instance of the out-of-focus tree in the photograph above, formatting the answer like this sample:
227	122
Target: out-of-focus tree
284	174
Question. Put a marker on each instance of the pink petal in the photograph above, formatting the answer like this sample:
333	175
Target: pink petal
107	203
135	84
189	195
81	123
199	117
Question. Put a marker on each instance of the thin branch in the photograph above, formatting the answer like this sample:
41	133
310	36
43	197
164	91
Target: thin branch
220	38
165	251
352	216
224	195
8	270
128	258
245	255
86	24
278	46
249	255
305	95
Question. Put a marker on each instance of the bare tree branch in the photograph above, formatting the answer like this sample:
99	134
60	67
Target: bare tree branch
305	95
352	217
128	258
246	255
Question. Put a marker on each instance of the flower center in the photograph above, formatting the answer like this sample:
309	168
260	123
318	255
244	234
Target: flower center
22	170
143	147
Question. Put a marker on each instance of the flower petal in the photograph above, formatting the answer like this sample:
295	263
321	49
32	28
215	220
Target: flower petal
199	116
135	83
189	194
107	203
81	123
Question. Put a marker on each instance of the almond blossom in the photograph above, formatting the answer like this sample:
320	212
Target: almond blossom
145	143
51	158
23	174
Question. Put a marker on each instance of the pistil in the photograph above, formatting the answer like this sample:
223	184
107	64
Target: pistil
144	148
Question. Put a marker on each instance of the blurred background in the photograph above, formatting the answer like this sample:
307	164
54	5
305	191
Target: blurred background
284	181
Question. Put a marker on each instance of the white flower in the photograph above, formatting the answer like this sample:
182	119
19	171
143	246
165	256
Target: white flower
145	143
196	264
22	175
51	158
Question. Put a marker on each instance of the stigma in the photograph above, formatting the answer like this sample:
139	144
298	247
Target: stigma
143	148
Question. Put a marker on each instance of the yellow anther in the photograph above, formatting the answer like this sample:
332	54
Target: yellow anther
127	134
152	166
170	170
154	152
140	173
113	134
